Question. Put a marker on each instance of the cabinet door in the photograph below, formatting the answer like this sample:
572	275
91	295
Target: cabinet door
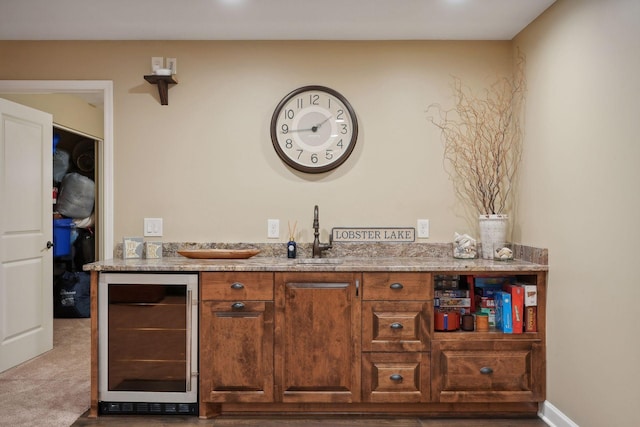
317	337
236	351
488	371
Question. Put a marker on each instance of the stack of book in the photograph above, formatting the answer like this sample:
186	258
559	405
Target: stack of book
510	305
449	297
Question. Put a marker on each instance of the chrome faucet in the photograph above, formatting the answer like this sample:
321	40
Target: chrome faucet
317	246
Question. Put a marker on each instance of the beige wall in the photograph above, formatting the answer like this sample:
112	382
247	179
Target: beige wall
580	198
69	111
205	162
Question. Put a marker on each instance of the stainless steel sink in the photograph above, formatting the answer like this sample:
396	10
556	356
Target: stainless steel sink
320	261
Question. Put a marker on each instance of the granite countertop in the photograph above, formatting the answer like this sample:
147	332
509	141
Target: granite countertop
381	264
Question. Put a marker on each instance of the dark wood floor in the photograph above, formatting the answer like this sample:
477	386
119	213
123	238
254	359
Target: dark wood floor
296	421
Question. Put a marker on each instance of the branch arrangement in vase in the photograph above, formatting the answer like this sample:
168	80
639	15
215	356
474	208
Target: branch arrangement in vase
482	138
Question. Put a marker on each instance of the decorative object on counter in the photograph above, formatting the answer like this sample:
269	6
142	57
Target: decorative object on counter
314	129
464	246
219	253
493	229
482	138
502	251
132	247
291	244
153	250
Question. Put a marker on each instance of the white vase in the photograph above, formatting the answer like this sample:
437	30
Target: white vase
493	229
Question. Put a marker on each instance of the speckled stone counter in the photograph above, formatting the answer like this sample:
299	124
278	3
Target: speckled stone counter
349	257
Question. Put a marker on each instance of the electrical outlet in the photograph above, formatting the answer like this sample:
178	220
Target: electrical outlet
273	228
172	64
157	62
423	228
152	227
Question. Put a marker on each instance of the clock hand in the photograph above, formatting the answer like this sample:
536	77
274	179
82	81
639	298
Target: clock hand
316	127
312	128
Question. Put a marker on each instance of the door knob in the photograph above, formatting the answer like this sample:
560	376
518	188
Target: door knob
49	244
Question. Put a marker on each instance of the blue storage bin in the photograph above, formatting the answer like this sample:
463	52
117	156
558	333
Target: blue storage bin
62	236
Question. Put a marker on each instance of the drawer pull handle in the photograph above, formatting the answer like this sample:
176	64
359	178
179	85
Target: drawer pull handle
486	370
396	326
237	305
237	285
396	286
396	377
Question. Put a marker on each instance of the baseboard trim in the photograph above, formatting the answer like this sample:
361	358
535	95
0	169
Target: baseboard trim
553	417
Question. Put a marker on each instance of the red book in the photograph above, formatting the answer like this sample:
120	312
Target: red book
517	306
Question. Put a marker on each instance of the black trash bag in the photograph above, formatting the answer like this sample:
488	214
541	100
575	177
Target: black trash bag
84	246
72	295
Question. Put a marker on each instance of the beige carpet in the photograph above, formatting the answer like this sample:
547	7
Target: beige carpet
51	390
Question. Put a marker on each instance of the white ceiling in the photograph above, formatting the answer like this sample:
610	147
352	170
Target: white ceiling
266	19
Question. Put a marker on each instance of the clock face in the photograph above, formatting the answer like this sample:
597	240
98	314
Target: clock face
314	129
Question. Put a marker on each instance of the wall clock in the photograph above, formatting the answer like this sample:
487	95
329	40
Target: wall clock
314	129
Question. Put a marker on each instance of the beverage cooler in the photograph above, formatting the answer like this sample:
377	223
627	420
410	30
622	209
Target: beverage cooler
148	343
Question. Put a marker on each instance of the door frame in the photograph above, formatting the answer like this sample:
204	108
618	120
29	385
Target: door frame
105	157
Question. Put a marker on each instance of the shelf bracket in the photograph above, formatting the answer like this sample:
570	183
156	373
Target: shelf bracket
163	83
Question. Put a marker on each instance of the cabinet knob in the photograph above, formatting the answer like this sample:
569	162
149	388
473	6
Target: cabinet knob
237	285
486	370
396	286
396	326
396	377
237	305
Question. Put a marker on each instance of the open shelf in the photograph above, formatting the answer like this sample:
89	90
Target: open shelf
163	83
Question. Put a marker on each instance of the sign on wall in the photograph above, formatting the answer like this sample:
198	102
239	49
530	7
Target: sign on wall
373	234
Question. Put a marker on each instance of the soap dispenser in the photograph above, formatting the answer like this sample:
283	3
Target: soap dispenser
291	244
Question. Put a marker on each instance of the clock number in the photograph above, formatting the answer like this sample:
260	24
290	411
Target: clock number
289	114
288	143
314	158
300	151
300	103
344	129
340	115
340	144
314	99
329	155
285	128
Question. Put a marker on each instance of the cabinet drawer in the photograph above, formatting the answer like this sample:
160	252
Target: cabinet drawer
483	371
397	286
231	286
396	326
395	377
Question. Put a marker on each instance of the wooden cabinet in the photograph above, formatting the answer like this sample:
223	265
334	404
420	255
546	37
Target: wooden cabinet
396	330
317	337
364	342
236	337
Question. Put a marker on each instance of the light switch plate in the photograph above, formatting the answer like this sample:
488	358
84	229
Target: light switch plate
423	228
152	227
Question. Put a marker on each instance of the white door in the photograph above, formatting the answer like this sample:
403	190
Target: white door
26	289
